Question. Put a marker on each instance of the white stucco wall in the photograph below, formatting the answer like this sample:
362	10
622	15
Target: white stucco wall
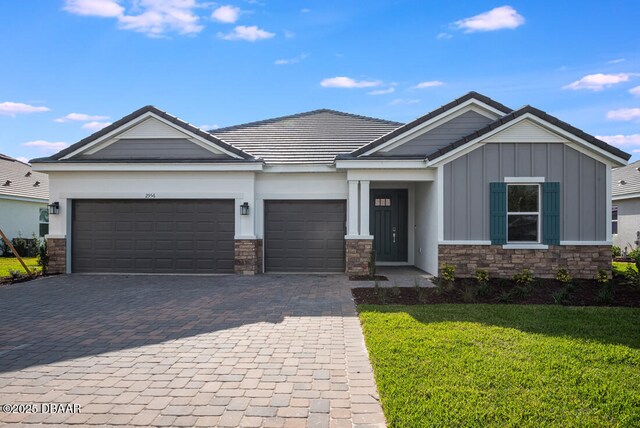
20	218
628	223
426	230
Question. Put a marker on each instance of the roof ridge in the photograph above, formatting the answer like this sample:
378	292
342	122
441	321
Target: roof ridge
301	114
430	115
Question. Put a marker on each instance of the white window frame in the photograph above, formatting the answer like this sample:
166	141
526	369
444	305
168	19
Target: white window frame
617	209
537	213
42	222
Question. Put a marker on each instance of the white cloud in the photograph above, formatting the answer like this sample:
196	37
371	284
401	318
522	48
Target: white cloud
8	108
403	101
625	114
151	17
389	90
95	125
599	81
79	117
635	91
103	8
620	140
444	36
250	34
347	82
291	60
500	18
616	61
429	84
47	146
226	14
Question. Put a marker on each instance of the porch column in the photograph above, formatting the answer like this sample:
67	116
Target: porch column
364	208
352	209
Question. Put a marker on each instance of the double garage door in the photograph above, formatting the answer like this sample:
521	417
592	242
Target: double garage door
197	236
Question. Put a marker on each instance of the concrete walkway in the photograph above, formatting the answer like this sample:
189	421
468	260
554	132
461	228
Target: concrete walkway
264	351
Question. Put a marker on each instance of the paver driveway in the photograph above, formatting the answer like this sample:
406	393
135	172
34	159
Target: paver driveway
187	350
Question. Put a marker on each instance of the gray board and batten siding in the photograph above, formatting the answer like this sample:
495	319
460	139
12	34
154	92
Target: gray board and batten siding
441	136
582	181
157	148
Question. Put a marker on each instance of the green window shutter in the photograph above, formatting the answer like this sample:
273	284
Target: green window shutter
551	213
498	213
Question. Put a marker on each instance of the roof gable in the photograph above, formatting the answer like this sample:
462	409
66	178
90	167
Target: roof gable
541	118
152	124
625	181
470	101
18	180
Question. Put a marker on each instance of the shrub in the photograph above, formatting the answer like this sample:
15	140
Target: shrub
524	278
605	295
448	273
616	251
372	264
469	294
561	296
482	276
43	256
634	254
563	276
20	245
602	277
4	249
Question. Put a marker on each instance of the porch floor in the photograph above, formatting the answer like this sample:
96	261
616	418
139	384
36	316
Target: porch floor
402	276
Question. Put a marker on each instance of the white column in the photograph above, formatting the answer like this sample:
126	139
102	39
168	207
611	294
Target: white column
364	208
352	209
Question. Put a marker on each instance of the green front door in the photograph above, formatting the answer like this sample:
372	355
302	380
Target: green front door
388	224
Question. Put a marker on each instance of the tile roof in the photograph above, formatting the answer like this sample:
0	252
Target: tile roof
161	113
538	113
19	180
314	137
625	180
410	125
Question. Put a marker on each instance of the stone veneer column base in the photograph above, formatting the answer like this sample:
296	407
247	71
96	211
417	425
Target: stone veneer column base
248	256
358	256
582	261
57	251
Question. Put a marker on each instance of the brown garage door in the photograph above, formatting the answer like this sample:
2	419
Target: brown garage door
304	236
153	236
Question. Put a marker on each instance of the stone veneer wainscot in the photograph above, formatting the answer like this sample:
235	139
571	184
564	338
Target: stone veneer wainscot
57	251
582	261
248	256
358	256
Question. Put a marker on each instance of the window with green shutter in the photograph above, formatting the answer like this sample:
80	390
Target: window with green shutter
551	213
498	213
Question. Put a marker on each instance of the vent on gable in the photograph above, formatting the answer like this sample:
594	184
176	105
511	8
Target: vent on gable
622	182
7	183
28	174
36	184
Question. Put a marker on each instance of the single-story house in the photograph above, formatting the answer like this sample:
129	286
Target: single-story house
625	216
24	195
473	183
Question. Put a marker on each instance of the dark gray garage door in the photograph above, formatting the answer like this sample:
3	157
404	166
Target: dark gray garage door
154	236
304	236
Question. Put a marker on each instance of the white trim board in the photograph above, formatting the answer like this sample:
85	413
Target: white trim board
147	166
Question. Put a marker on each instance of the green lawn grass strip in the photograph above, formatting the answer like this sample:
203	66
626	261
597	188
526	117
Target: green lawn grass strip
505	365
7	264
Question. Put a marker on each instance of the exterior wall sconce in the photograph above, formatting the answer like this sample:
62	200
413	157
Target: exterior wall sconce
54	208
244	208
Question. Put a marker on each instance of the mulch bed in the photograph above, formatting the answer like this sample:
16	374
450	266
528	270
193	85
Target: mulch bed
540	292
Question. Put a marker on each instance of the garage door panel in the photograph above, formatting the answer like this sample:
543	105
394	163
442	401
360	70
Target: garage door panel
304	236
182	236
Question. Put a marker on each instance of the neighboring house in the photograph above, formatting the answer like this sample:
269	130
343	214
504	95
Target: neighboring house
625	216
472	183
23	199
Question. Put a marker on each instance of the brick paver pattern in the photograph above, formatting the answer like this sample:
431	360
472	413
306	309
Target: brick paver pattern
227	351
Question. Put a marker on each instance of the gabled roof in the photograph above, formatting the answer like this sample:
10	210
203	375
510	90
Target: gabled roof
146	109
626	180
17	179
313	137
541	115
422	119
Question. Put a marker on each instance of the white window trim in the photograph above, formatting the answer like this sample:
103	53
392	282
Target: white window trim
616	219
518	180
525	244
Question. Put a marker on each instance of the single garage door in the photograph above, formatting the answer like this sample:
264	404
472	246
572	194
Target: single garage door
153	236
304	236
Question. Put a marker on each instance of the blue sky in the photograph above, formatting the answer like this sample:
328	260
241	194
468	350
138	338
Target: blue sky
70	67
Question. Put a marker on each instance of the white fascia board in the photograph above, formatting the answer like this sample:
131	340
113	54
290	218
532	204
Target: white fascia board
24	199
524	179
422	174
92	166
623	197
204	143
451	242
297	168
586	243
381	164
469	105
576	142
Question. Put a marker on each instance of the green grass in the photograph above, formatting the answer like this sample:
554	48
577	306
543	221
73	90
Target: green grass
7	264
505	365
621	267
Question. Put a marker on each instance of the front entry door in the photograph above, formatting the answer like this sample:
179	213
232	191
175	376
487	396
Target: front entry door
388	224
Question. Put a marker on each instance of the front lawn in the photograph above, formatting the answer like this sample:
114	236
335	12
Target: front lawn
621	267
8	264
505	365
